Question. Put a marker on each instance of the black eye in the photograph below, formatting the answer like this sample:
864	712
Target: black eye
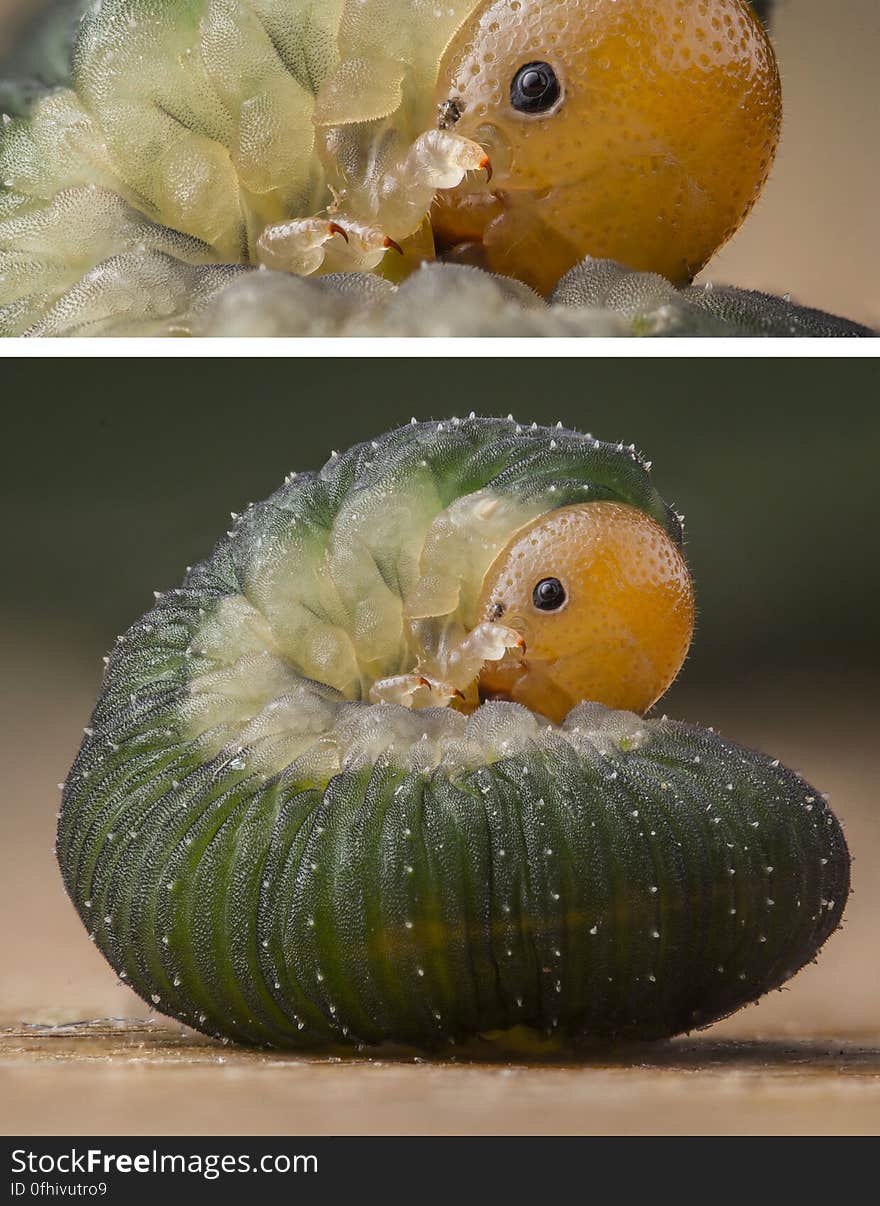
548	595
534	88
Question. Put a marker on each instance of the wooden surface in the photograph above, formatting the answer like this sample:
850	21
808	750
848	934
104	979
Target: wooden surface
124	1079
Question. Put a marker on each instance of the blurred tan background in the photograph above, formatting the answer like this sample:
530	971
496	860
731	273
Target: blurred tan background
814	233
117	474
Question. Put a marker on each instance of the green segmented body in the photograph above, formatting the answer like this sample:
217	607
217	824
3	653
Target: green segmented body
281	862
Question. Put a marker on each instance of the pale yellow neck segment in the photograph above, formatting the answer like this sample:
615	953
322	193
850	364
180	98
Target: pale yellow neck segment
390	591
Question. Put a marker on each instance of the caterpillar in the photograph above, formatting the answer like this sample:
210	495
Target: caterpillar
378	771
321	136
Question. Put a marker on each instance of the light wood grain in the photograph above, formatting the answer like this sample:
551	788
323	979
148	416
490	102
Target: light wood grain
148	1080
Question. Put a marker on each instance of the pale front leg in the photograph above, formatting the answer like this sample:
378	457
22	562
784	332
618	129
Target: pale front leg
413	691
436	160
451	677
307	244
463	661
367	223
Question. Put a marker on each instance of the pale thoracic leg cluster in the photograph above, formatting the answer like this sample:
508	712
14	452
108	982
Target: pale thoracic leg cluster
451	674
363	224
307	244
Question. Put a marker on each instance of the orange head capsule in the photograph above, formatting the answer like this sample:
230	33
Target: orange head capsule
603	600
638	130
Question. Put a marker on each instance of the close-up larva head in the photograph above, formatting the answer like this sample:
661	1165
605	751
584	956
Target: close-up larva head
603	600
635	130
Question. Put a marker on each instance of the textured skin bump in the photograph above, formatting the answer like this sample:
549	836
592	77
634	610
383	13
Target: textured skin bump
277	861
305	137
597	298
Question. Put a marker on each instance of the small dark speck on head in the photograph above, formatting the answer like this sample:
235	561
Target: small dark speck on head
449	111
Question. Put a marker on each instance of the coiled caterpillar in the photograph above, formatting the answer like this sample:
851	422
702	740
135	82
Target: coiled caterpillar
340	135
342	786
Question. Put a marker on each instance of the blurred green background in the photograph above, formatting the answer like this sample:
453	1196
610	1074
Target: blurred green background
131	474
119	473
